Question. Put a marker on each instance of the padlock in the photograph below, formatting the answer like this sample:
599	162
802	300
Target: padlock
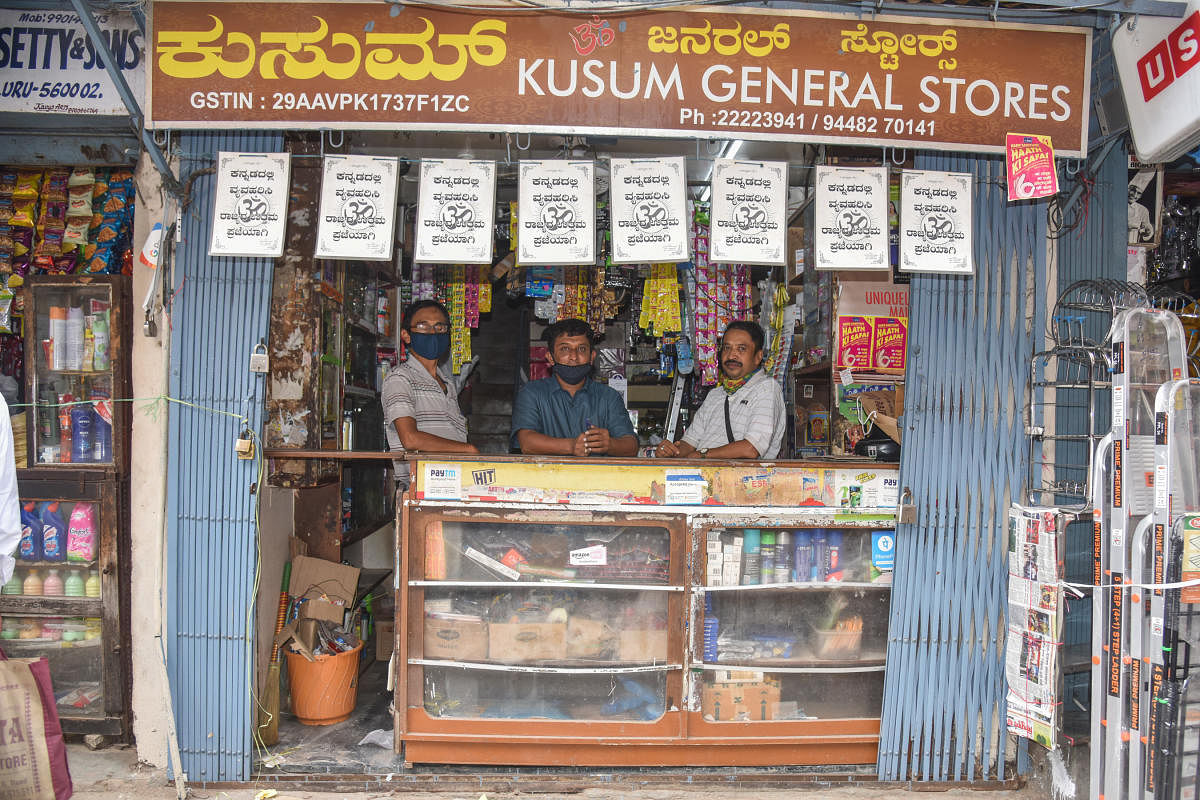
244	446
258	358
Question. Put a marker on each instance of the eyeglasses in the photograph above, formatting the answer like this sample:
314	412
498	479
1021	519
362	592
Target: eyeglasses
431	327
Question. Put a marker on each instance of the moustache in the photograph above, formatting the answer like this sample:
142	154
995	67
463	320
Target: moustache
732	363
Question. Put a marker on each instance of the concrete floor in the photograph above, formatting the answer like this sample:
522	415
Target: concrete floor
114	774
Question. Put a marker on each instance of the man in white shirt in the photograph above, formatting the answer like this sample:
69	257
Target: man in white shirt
10	504
743	416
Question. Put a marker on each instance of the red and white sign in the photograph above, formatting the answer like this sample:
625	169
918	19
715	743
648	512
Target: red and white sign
1155	57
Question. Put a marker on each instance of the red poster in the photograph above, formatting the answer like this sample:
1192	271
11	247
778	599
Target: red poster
890	344
1031	172
854	342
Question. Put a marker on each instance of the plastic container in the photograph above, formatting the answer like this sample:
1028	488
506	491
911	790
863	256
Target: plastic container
73	586
833	557
767	556
33	584
324	691
14	586
54	533
93	628
30	547
91	588
81	433
52	586
751	558
843	643
72	630
81	533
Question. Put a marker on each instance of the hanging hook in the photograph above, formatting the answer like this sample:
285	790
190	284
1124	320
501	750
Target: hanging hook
166	137
341	138
903	158
709	147
528	141
508	149
1071	166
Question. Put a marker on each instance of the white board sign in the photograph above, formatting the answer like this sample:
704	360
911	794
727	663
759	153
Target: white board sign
851	218
456	212
935	222
556	213
649	210
49	65
749	212
250	212
358	208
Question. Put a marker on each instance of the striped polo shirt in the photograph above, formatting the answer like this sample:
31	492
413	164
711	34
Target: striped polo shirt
410	391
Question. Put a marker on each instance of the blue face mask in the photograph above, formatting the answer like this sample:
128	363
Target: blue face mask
430	345
572	374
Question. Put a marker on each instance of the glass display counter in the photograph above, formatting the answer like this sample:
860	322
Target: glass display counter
549	609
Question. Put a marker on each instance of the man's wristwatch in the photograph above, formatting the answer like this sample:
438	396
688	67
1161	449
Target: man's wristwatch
703	451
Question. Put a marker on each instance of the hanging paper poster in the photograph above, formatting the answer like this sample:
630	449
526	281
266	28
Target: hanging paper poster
649	210
889	343
358	208
455	212
556	213
749	212
251	204
854	342
1031	172
935	222
851	213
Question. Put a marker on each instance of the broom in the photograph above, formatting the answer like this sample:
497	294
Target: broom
268	707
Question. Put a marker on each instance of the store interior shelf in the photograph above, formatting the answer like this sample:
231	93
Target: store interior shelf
558	667
820	368
361	532
798	665
27	605
59	564
794	587
534	583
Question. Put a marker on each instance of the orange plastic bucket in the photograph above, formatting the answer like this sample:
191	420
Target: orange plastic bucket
324	691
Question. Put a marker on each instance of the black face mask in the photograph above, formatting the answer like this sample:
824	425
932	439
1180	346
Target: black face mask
572	374
430	345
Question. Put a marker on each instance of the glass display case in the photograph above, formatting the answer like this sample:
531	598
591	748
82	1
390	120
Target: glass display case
62	601
544	621
793	623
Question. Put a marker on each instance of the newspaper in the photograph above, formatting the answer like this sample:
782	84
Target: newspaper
1034	623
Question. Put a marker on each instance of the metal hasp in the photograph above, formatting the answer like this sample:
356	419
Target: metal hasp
135	110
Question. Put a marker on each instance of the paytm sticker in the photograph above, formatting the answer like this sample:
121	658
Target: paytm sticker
442	482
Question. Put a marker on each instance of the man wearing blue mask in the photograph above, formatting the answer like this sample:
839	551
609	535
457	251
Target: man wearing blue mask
420	397
569	414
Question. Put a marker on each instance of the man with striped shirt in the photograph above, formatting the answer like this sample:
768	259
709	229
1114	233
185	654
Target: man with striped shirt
420	398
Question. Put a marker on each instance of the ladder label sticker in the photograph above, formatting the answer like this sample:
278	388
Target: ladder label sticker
1118	359
1159	556
1160	427
1159	479
1116	488
1118	407
1115	623
1135	694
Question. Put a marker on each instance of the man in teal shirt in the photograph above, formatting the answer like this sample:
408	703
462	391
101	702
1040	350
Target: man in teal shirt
569	414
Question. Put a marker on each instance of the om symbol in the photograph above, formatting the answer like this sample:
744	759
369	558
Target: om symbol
456	216
590	35
853	223
650	214
252	209
749	217
937	227
358	212
555	217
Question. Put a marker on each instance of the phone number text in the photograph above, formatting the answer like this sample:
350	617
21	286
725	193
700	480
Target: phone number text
807	122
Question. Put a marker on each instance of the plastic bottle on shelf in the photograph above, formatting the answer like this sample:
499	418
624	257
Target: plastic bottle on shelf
54	533
81	433
58	338
819	545
81	533
833	557
33	584
29	628
14	586
100	360
92	587
48	434
9	628
74	586
752	562
30	547
52	628
73	629
92	628
64	426
52	586
74	328
101	428
802	558
783	557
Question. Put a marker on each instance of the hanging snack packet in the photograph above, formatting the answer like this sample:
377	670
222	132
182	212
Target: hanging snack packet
28	185
82	176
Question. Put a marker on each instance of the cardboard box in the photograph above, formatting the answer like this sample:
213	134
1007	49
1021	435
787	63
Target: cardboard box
456	639
533	641
643	645
740	701
652	394
590	638
327	588
385	638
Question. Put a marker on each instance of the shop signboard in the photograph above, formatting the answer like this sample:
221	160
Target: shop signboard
935	222
851	213
250	210
455	212
649	210
749	212
49	65
358	208
556	212
702	73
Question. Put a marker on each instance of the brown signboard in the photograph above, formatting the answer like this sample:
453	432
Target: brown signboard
700	72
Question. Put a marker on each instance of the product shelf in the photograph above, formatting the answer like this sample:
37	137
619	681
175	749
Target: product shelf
57	564
27	605
809	586
545	584
557	667
796	665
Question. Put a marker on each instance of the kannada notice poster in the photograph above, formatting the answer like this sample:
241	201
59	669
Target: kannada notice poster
251	204
649	210
749	212
851	216
455	212
358	207
1031	172
556	213
935	222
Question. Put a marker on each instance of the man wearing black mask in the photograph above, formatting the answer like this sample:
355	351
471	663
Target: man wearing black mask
420	398
568	413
